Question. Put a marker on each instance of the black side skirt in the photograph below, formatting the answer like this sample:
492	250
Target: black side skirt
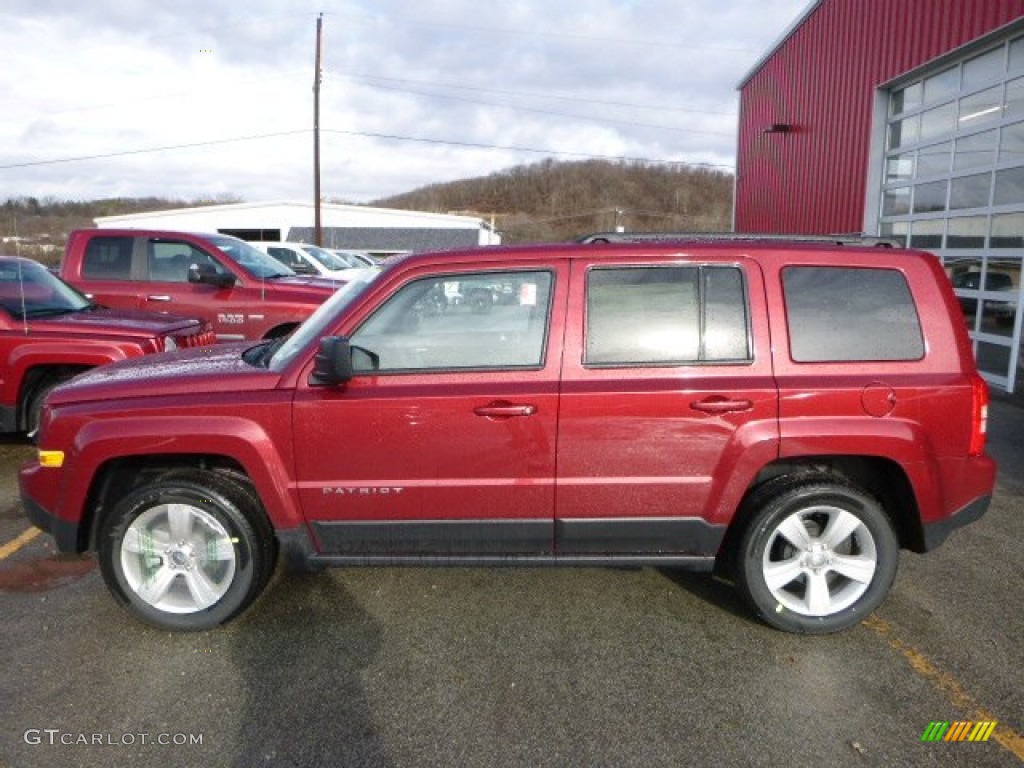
684	542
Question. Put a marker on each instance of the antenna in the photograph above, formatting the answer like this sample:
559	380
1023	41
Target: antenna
318	235
20	290
21	280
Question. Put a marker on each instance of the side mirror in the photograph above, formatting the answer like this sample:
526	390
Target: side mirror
302	268
337	361
208	275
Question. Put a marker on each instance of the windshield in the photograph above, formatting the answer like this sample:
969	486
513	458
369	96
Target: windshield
350	259
252	260
326	258
359	258
317	323
28	289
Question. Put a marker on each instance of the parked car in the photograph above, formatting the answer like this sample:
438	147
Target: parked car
787	414
1001	310
308	259
355	258
49	332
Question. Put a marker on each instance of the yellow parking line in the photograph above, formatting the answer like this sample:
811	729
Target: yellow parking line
1006	736
11	547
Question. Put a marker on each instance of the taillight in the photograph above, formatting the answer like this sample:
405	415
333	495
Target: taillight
979	415
203	338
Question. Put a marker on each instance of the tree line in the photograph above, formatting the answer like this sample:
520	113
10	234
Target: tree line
545	201
560	200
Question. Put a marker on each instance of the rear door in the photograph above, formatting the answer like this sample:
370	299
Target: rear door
668	403
110	270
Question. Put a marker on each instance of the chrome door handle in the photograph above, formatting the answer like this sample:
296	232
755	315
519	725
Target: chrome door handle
158	297
503	410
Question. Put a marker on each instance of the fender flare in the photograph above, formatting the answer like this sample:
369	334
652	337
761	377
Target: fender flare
238	439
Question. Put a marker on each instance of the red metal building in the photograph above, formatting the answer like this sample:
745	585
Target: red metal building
900	118
806	109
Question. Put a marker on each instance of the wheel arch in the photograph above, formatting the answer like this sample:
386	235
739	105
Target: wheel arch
118	477
37	377
883	478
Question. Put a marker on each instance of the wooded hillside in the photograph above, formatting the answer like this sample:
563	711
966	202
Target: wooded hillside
531	203
559	201
38	228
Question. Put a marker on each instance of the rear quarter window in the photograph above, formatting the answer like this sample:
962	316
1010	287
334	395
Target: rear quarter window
850	314
108	258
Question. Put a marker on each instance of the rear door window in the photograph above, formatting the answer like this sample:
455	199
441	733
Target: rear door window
108	258
666	315
842	314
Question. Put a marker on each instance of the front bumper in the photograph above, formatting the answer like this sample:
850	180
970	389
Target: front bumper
65	534
36	485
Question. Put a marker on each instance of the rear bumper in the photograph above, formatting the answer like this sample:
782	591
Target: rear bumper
937	532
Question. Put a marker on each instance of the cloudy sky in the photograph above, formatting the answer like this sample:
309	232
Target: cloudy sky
201	99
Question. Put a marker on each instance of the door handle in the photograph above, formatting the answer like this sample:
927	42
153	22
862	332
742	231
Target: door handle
158	297
720	404
505	410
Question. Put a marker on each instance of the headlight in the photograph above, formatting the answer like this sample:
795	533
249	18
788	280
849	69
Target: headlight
170	344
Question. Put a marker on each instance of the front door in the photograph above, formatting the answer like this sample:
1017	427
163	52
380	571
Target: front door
444	443
229	310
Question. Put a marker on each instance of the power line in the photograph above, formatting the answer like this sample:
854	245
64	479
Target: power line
534	33
534	95
363	134
147	150
533	110
530	150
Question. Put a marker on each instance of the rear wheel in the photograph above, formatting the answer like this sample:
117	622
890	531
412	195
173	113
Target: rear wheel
816	556
187	552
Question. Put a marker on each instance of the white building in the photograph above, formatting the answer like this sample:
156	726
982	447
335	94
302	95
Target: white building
351	227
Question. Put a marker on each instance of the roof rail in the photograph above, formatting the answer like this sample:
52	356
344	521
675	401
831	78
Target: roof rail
665	237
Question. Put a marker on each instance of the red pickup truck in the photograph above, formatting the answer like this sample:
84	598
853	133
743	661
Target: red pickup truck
49	332
241	291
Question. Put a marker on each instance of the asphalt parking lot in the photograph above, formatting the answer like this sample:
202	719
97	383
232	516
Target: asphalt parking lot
517	667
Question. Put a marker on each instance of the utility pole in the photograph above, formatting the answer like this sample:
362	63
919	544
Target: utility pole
318	232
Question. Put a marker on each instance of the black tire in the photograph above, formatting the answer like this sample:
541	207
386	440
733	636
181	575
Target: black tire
35	400
830	582
223	549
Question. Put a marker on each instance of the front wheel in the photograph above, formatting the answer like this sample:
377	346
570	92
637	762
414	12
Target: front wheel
187	552
817	557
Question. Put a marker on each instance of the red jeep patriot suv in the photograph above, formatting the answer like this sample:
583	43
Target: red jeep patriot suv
787	414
